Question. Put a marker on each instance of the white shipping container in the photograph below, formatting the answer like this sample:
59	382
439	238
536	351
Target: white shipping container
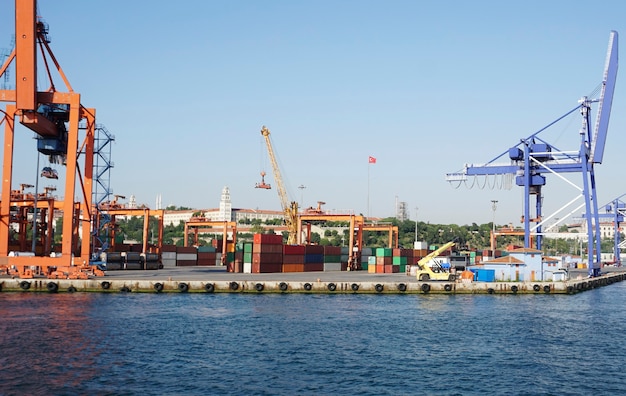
247	268
332	266
168	255
187	256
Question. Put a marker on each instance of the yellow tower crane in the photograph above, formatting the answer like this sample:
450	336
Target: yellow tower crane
290	210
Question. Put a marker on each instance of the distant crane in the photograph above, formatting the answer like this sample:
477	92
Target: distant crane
290	209
533	157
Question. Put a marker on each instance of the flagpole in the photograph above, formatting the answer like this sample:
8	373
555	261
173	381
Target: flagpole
368	187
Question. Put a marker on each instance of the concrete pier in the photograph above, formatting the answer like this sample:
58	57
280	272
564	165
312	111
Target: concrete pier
216	280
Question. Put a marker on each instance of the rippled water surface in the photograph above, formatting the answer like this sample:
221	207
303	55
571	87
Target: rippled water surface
294	344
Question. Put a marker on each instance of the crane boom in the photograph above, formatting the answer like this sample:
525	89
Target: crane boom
290	209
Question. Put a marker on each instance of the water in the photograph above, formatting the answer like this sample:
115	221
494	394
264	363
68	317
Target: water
271	344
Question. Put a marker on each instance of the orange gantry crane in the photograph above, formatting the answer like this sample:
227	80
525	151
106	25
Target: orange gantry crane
199	223
54	115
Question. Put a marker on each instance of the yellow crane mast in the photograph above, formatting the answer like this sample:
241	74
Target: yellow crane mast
290	209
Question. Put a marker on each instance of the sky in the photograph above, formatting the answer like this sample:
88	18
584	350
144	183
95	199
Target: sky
423	86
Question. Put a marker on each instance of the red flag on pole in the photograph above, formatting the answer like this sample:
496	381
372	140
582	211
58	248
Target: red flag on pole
371	160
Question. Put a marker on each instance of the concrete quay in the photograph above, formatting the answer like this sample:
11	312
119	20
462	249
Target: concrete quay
217	280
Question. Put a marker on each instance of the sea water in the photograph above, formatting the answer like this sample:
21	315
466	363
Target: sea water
308	344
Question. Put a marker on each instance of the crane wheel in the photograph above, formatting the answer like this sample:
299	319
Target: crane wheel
308	286
447	287
259	287
24	285
158	287
183	287
233	285
283	286
354	287
379	288
425	287
536	288
402	287
52	287
105	285
209	287
332	287
514	289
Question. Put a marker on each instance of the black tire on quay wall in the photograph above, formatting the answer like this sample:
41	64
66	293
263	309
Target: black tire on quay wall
536	288
125	289
308	286
24	285
425	287
332	287
183	287
259	287
105	285
402	287
283	286
233	285
447	287
379	288
158	287
514	289
52	287
71	289
354	287
209	287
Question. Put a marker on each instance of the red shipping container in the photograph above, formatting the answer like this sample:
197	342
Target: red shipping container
268	238
267	248
269	258
314	249
293	249
186	263
380	268
332	250
258	268
388	268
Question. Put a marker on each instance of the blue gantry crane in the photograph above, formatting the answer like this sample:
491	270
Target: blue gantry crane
533	158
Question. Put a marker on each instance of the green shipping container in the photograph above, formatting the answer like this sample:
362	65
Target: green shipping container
247	248
399	260
247	257
383	252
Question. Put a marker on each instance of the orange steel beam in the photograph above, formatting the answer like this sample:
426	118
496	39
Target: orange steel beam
26	54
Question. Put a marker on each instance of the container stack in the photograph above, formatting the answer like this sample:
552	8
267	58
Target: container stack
402	258
368	260
332	258
207	255
267	253
186	256
293	258
168	256
247	257
384	260
313	258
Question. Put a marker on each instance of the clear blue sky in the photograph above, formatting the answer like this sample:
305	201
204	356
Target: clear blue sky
424	87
